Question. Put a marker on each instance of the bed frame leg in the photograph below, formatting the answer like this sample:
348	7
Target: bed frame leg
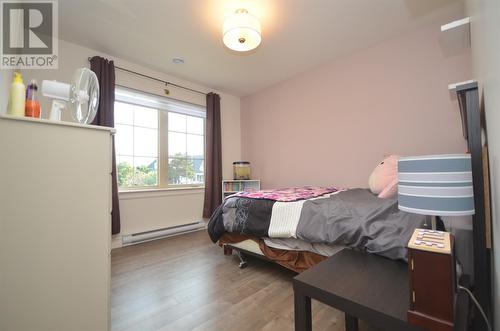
243	263
228	250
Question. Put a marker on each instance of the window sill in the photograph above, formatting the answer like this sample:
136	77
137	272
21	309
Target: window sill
159	192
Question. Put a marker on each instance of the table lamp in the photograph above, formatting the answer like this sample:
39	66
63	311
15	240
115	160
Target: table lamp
434	185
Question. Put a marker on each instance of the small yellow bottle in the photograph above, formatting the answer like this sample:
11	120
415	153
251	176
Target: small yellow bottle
17	97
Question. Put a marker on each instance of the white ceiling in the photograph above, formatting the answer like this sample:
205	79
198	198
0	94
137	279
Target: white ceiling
297	34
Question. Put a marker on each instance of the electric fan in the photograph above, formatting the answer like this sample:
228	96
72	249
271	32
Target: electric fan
81	96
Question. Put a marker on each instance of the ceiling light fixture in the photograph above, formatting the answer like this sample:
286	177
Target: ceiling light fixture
241	31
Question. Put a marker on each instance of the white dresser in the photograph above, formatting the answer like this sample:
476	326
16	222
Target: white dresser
55	231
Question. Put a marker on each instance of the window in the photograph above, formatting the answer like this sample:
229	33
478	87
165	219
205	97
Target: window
186	145
159	142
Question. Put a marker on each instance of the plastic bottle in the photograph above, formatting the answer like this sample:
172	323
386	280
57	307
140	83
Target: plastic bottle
32	107
17	96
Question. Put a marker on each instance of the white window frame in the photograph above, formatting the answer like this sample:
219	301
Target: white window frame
164	105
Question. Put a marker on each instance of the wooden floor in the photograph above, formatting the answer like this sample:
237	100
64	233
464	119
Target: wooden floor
186	283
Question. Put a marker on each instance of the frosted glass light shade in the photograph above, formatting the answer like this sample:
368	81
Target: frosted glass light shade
241	31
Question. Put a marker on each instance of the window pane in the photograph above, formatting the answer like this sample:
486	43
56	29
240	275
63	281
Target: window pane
146	117
179	169
145	171
145	142
124	139
176	122
176	144
195	146
124	113
195	125
125	170
198	174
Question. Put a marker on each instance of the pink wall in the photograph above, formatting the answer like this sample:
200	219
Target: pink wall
333	124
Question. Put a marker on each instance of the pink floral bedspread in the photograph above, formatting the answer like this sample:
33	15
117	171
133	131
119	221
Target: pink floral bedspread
288	194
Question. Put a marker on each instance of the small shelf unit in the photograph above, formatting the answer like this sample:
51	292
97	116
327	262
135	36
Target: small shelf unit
231	186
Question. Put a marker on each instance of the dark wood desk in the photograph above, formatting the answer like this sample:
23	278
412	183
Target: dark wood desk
364	286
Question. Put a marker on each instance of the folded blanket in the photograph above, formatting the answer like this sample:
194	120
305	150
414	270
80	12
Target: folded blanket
354	218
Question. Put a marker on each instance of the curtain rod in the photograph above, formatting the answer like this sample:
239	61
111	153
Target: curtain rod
157	79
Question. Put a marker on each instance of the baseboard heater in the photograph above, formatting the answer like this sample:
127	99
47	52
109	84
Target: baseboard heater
140	237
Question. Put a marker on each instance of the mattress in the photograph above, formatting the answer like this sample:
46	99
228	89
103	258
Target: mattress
249	245
292	244
289	244
293	259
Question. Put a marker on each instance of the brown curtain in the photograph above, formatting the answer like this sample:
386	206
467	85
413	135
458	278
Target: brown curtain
213	156
105	72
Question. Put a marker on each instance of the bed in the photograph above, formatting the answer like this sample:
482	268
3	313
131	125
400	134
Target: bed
299	227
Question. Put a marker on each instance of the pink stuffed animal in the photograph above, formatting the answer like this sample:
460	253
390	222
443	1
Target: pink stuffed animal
384	179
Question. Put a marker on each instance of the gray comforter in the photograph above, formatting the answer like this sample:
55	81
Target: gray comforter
354	218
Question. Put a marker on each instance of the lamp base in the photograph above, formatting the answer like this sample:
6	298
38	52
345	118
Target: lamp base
437	223
432	274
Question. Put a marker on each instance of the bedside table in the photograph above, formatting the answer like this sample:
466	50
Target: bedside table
364	286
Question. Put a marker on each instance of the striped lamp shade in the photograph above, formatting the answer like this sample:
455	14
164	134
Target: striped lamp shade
437	185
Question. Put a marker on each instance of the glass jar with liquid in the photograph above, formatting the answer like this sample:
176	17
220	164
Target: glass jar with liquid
241	170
